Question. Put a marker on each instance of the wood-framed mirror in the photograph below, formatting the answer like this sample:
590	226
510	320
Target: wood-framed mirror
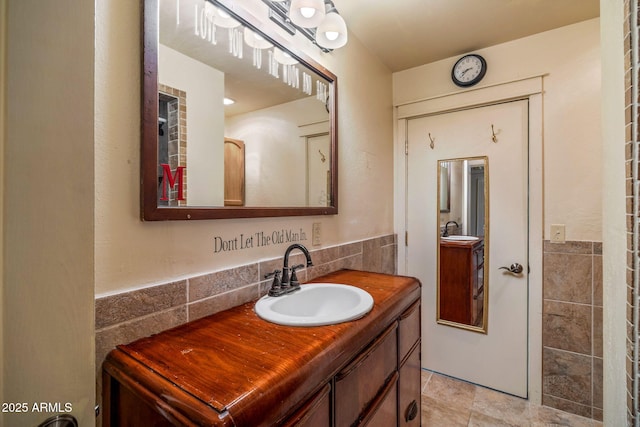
197	53
463	243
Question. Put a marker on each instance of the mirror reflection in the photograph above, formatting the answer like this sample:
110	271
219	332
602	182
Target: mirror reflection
463	190
242	122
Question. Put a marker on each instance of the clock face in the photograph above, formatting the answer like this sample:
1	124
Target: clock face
469	70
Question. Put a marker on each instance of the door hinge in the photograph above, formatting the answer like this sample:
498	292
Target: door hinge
406	147
406	238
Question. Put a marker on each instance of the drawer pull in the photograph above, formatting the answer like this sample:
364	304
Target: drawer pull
411	412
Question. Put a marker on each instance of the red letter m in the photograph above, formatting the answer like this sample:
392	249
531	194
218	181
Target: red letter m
168	178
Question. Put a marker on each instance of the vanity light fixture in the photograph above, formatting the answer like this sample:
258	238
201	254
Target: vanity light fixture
317	20
228	101
255	40
221	18
258	43
332	31
283	57
307	13
208	16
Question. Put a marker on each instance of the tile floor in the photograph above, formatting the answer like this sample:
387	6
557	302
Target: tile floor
447	402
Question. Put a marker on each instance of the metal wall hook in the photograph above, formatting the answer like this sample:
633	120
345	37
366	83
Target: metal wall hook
494	138
322	157
432	143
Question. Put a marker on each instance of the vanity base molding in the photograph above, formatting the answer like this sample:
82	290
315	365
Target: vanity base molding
235	369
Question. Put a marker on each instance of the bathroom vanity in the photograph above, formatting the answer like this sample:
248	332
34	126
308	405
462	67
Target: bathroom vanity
461	291
235	369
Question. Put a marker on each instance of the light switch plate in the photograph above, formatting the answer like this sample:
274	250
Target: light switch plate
557	233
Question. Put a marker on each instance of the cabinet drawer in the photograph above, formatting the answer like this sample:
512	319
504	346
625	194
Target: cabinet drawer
383	412
360	382
408	330
316	412
409	385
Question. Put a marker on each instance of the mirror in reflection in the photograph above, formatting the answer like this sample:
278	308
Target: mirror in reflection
463	226
243	123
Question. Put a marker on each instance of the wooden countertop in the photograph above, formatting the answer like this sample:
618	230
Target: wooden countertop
245	368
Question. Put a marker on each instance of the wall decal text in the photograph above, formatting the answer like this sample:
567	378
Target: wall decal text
257	240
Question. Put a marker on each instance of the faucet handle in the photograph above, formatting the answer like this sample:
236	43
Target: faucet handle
276	287
294	277
275	274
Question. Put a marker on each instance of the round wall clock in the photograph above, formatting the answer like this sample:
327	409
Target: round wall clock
469	70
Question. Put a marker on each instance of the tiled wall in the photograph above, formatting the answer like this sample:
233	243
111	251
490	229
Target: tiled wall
572	328
128	316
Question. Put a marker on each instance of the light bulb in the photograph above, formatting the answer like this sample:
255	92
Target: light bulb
332	31
223	19
283	57
307	12
223	14
255	40
331	35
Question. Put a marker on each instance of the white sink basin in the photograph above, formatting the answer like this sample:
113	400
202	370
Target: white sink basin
316	304
460	238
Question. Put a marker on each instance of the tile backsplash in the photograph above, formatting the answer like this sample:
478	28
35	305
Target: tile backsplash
572	328
127	316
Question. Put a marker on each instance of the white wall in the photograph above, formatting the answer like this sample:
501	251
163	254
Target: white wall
48	200
132	254
614	213
569	57
205	123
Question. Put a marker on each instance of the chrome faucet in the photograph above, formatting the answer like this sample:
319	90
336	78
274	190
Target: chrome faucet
289	281
445	232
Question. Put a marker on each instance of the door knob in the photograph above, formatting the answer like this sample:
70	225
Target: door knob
514	268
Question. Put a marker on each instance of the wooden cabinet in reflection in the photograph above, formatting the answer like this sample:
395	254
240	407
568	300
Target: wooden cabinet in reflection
461	291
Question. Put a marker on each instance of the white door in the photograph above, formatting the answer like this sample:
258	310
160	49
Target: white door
318	164
497	359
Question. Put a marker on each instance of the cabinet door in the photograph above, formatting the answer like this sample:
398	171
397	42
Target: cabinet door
359	384
408	331
316	412
409	390
233	172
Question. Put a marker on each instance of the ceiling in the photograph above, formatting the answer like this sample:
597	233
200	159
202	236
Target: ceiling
402	33
408	33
